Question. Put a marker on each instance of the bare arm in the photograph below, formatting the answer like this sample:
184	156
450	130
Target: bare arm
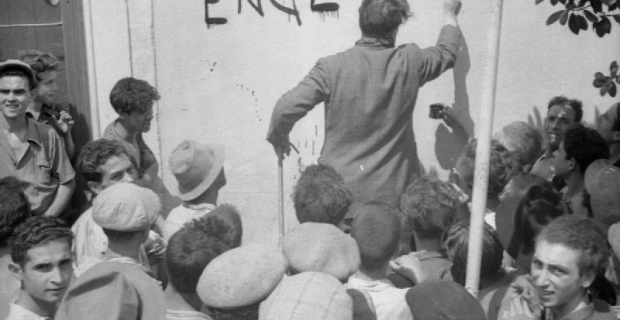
63	195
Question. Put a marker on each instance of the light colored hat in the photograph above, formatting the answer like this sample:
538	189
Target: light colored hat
241	276
195	166
613	236
17	64
443	299
126	207
308	296
321	247
602	182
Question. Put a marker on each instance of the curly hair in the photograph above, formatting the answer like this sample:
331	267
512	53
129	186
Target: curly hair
581	234
39	61
376	229
232	234
316	172
456	244
193	247
430	206
540	205
322	200
502	167
14	207
378	18
574	104
523	139
95	154
585	145
249	312
130	94
37	231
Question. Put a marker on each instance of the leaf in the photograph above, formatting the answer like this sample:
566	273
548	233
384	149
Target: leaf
610	2
582	3
554	2
613	68
583	23
554	17
564	17
617	18
606	24
573	24
571	5
605	89
613	89
597	5
591	16
539	1
599	75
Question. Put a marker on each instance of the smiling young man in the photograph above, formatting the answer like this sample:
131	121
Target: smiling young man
30	151
569	252
41	253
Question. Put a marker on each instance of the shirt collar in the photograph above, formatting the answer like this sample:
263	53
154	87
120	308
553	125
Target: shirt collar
21	313
375	42
32	134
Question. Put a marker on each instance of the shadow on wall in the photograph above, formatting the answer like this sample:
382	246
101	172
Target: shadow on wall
449	141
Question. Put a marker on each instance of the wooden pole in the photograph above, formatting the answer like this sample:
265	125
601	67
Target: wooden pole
280	198
479	197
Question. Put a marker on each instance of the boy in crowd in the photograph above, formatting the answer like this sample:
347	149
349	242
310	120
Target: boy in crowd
321	196
376	229
43	108
126	213
580	147
190	250
608	125
41	253
199	170
430	207
31	152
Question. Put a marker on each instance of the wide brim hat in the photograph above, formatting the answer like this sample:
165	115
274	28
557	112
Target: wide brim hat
195	167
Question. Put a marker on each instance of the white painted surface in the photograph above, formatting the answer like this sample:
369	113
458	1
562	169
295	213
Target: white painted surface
219	84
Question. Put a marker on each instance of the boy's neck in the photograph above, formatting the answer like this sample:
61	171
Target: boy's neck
43	309
176	300
129	249
427	244
373	275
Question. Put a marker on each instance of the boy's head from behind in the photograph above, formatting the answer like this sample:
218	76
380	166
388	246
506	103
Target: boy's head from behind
430	206
376	228
14	207
321	200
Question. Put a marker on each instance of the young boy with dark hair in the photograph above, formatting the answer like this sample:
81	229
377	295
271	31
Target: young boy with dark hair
41	253
190	250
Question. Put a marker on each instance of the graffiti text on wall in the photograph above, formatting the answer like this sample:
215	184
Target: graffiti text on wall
325	7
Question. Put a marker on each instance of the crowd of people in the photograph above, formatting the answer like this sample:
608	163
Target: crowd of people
375	239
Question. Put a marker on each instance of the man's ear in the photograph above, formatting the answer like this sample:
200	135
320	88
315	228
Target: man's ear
16	271
588	278
95	187
616	136
573	165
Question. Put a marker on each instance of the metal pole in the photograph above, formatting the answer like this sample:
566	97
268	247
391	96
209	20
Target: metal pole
479	197
280	198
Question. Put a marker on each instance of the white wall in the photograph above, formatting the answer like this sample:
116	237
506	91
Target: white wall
219	83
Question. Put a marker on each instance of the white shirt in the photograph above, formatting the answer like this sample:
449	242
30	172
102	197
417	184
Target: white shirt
389	301
183	214
18	312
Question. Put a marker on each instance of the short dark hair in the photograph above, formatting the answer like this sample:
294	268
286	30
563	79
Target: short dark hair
573	103
232	234
39	62
130	94
503	166
430	206
249	312
376	229
19	72
14	207
316	172
378	18
581	234
585	145
95	154
193	247
456	244
37	231
325	201
540	205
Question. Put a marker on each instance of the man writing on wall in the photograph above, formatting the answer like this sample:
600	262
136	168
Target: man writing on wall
369	93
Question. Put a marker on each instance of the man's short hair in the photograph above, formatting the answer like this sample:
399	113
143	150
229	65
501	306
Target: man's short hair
229	214
503	166
39	61
132	95
249	312
34	232
193	247
524	140
95	154
325	201
585	145
456	244
14	207
316	172
540	205
18	72
430	206
378	18
573	103
581	234
376	228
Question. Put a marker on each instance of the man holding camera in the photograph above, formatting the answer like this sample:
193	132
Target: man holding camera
369	93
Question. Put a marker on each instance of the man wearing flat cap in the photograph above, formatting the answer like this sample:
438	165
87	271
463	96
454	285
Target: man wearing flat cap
119	287
30	151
